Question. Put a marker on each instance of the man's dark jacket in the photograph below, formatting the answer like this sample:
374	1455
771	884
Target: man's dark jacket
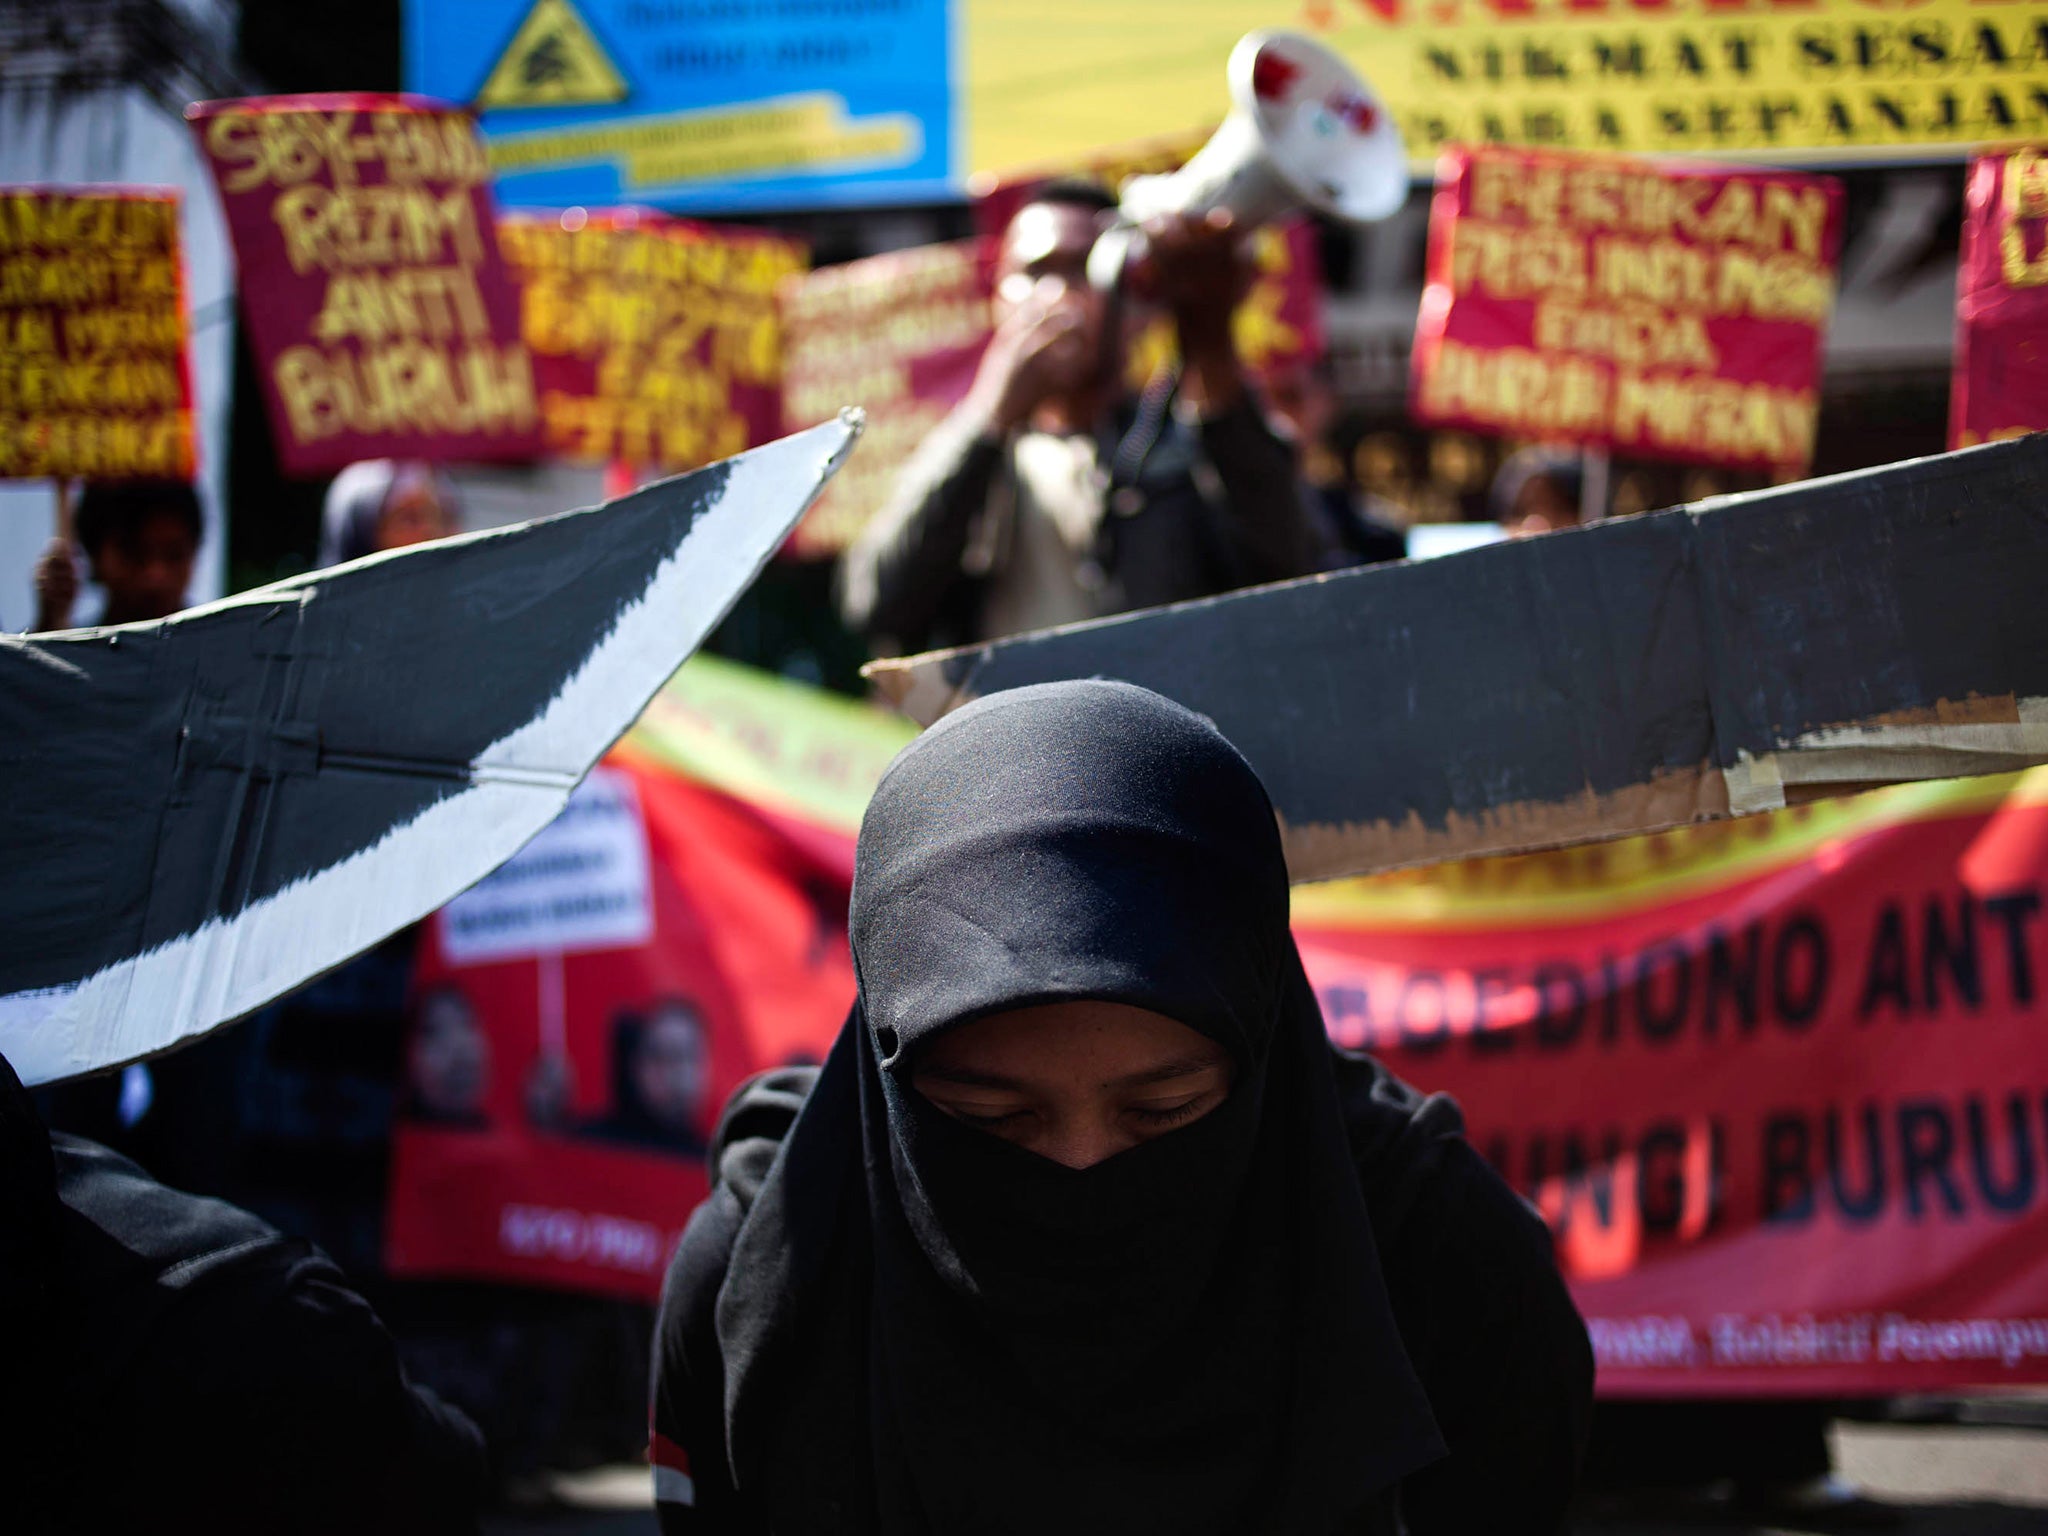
1193	509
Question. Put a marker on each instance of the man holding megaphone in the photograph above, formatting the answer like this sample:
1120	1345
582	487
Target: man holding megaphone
1052	495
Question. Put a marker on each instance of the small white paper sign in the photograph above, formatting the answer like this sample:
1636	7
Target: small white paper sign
580	884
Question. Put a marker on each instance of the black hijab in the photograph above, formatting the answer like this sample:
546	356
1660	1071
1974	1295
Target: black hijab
954	1334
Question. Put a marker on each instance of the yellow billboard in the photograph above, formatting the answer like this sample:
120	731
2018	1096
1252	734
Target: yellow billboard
1812	80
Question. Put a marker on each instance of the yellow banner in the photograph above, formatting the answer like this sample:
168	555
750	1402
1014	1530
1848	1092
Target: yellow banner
1748	79
93	374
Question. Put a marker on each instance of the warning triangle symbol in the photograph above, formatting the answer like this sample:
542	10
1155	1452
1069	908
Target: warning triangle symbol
553	60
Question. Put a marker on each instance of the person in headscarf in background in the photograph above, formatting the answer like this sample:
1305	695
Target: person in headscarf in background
382	504
1084	1225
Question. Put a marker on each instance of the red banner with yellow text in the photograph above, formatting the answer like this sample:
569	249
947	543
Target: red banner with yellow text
94	377
384	322
1657	310
1777	1083
656	341
899	335
2001	369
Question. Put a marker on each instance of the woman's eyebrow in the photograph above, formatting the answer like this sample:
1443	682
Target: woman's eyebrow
967	1077
1187	1066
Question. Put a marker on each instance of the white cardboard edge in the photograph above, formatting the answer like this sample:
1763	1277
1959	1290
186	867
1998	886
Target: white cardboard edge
149	1003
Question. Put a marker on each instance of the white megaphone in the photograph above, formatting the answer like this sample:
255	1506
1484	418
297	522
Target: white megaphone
1304	131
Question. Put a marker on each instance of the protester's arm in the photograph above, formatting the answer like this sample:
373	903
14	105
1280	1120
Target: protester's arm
693	1492
896	578
1198	271
1201	275
56	585
693	1489
1503	1355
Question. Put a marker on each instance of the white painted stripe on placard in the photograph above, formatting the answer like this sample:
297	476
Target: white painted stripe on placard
145	1004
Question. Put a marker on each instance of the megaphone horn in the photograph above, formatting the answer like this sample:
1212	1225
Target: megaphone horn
1304	131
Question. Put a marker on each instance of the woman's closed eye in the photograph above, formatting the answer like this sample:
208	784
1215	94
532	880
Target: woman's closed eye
1157	1114
1074	1082
1173	1112
987	1116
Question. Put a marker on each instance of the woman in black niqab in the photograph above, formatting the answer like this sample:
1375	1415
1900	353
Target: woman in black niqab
921	1327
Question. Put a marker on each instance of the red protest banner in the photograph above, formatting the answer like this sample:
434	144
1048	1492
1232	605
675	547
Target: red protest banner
384	321
1772	1081
581	1016
94	377
899	335
1663	311
656	341
2001	369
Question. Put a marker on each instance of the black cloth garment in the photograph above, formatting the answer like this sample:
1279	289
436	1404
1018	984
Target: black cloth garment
907	1325
1491	1331
178	1365
30	1299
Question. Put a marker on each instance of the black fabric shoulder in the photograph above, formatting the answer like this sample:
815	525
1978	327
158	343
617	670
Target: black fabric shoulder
1484	1315
210	1329
689	1367
129	1250
1399	1135
33	1461
689	1363
757	1117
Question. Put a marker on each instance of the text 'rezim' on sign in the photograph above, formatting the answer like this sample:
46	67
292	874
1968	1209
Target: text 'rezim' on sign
384	322
94	378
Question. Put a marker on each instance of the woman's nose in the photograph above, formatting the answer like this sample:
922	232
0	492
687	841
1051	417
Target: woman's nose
1081	1142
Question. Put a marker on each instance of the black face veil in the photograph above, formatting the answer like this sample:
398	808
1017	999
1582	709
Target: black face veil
1190	1336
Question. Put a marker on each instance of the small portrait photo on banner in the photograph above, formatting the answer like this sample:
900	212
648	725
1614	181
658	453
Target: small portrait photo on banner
661	1080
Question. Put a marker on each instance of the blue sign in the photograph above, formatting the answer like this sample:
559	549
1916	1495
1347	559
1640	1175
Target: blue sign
699	105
